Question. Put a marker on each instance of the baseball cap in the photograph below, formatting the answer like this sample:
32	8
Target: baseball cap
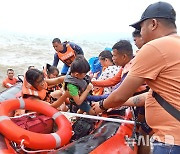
157	10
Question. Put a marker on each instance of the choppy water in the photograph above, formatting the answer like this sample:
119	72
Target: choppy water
18	51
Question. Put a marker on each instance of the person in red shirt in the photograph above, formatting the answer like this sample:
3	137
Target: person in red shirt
10	80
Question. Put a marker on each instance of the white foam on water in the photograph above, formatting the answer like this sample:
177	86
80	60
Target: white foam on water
18	51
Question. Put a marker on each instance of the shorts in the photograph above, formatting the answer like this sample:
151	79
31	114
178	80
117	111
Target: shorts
64	69
85	106
159	147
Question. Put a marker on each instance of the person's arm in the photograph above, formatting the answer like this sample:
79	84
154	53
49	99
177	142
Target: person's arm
77	48
6	84
103	76
79	99
55	81
96	98
143	68
108	82
61	100
138	100
121	94
16	79
56	60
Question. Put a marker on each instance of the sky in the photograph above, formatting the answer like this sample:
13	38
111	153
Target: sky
70	17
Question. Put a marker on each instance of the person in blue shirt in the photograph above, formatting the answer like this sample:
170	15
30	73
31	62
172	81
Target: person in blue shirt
66	52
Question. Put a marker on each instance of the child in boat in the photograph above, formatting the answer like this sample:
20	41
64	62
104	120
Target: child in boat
10	80
51	72
76	87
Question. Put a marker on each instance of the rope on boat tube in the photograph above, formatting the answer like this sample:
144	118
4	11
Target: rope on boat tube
35	151
99	118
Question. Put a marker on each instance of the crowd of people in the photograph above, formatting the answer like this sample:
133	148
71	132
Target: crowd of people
149	80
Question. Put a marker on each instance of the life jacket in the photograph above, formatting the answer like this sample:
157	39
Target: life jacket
99	90
67	57
81	84
9	83
45	72
54	88
28	89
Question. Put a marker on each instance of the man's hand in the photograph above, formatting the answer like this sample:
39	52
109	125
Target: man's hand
96	108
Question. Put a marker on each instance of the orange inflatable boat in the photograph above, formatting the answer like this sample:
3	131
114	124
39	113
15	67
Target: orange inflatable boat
104	137
107	138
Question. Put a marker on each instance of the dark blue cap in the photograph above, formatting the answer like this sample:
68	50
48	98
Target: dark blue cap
157	10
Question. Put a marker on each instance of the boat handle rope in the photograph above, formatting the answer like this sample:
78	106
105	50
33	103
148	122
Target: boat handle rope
33	151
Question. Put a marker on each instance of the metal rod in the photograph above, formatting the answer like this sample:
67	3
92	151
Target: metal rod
99	118
87	116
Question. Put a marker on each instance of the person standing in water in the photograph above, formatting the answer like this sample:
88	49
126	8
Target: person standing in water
10	80
66	52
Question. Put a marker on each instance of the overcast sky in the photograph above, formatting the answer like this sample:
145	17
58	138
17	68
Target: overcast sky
73	16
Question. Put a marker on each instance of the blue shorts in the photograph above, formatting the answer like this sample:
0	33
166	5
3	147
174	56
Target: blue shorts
64	69
85	106
159	147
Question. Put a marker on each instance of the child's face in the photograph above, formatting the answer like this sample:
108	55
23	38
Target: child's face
79	75
53	75
40	83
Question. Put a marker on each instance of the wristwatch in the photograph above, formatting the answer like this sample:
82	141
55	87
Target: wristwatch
101	105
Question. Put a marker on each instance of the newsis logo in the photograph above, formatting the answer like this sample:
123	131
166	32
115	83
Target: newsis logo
147	140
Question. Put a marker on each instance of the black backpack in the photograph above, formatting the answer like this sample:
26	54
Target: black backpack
82	127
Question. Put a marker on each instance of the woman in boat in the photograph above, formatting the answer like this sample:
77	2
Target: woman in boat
35	87
109	70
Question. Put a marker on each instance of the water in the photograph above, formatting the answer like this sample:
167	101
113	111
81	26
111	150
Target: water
18	51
